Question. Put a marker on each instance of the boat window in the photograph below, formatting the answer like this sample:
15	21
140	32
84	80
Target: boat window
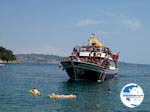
111	63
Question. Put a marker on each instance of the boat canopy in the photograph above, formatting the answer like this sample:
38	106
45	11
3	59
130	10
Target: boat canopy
95	41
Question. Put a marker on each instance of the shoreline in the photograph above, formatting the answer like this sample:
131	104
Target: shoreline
9	62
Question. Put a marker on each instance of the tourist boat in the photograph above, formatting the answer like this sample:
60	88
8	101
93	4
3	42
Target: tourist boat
91	62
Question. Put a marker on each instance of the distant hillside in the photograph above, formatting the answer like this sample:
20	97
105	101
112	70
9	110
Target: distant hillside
51	59
38	58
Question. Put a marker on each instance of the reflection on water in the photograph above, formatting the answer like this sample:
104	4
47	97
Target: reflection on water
16	80
92	96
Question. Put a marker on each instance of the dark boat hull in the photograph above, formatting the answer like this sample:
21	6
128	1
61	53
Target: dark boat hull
82	71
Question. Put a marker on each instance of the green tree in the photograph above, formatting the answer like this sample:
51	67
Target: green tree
6	54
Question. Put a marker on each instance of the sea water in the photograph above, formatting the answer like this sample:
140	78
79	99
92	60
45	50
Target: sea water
17	80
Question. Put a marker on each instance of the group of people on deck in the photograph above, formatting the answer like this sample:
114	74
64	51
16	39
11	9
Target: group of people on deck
91	59
94	55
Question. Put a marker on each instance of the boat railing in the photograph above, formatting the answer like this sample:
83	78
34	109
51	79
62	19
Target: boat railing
103	62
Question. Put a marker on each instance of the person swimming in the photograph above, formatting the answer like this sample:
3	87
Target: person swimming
53	95
109	90
35	92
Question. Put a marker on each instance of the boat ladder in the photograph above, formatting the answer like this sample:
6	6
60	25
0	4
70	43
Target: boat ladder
101	77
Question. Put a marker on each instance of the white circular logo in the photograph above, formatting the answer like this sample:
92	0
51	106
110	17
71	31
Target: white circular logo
131	95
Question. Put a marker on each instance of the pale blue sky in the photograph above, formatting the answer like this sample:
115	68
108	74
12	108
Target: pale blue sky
55	27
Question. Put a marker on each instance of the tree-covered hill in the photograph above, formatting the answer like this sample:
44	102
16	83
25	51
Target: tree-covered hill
38	58
6	54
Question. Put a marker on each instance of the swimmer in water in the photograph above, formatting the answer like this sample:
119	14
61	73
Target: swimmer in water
109	90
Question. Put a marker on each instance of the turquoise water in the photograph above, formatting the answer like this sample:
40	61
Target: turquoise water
16	80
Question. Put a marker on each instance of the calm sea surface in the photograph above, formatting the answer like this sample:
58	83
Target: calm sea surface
16	80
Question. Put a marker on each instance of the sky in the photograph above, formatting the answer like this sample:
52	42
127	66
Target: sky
56	26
